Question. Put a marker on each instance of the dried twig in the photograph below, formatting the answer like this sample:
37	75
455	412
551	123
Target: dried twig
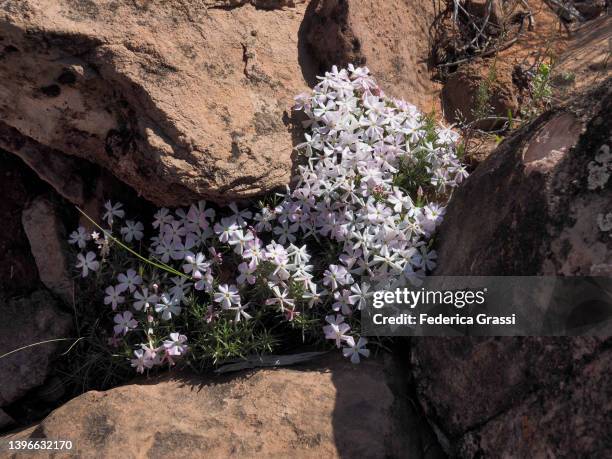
477	37
484	23
529	14
484	54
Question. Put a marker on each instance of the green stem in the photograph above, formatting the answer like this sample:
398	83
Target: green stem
34	344
159	265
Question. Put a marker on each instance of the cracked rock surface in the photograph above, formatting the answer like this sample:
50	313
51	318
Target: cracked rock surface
183	99
162	94
330	409
517	397
527	210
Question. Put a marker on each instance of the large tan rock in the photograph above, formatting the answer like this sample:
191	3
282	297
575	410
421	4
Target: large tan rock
184	100
334	410
180	100
391	37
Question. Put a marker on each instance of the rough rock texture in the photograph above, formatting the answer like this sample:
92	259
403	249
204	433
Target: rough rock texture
180	100
390	37
17	269
335	410
590	9
63	173
526	210
586	61
517	397
184	100
535	213
24	322
5	420
491	11
476	88
583	405
47	235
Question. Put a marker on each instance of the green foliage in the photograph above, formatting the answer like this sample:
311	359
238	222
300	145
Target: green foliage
482	108
224	340
541	89
414	171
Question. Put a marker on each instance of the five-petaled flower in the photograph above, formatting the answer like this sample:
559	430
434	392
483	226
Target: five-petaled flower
124	322
353	350
112	211
87	263
227	295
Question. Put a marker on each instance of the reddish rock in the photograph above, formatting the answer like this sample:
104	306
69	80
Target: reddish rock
533	428
334	410
179	100
527	209
478	91
466	381
391	38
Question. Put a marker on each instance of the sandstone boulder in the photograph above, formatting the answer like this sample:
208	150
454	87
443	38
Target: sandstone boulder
516	397
583	405
180	100
586	62
46	233
28	321
529	208
390	37
332	410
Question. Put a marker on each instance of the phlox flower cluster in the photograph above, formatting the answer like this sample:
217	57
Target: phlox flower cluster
360	216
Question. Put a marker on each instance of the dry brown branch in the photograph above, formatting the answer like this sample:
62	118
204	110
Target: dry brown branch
460	35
